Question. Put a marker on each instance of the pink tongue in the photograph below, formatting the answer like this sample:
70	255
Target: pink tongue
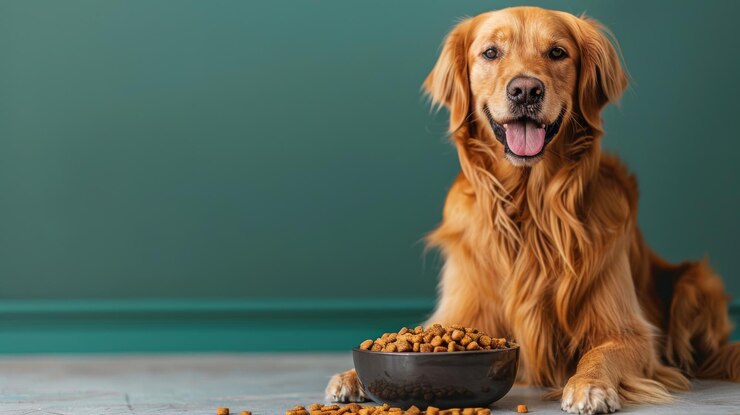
524	138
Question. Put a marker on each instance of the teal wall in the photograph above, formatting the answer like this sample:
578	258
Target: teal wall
174	170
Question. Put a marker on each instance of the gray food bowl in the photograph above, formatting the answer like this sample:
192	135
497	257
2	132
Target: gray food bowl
445	380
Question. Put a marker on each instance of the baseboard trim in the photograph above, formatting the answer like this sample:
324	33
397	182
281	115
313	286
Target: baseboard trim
200	325
205	325
189	306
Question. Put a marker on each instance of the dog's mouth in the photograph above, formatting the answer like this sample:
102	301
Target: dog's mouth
524	137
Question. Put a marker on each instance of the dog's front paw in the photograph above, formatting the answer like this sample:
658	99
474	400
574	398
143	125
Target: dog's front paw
345	387
589	396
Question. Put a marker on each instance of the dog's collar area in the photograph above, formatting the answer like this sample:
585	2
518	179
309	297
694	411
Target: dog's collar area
499	131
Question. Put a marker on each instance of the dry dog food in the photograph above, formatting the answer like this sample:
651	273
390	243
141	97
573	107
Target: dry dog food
522	409
385	409
435	338
245	413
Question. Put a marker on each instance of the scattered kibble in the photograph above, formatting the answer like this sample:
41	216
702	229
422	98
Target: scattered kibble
434	339
245	413
385	409
222	411
522	409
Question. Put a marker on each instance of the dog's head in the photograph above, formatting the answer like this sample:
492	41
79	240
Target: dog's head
524	72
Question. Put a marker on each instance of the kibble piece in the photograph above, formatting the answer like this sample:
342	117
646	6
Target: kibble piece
472	346
451	346
245	413
404	330
436	341
522	409
391	347
221	410
440	349
431	410
418	330
315	407
484	411
457	335
403	346
330	407
426	348
468	411
484	340
413	410
416	347
342	411
366	345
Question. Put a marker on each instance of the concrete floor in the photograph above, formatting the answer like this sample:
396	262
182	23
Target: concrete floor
266	384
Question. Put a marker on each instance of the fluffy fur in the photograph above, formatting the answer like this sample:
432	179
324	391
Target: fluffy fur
548	251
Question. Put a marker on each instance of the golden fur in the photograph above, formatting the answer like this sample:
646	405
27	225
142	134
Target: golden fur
548	252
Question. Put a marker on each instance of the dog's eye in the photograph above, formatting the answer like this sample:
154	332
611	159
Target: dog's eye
491	53
556	53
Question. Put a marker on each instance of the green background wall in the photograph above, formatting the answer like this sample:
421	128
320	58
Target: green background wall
177	171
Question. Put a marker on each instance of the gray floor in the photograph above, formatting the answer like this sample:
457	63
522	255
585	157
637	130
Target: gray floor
265	384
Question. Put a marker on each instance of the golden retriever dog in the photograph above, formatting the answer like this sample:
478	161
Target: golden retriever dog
539	231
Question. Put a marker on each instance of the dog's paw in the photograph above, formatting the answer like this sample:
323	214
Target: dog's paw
345	387
589	396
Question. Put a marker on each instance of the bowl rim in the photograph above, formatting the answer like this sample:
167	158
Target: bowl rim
513	346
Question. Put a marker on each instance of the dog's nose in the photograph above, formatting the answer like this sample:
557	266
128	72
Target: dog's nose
525	90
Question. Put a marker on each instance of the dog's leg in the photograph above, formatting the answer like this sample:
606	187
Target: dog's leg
469	288
345	387
623	369
620	364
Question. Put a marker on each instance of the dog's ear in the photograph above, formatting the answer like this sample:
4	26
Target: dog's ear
601	76
448	84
